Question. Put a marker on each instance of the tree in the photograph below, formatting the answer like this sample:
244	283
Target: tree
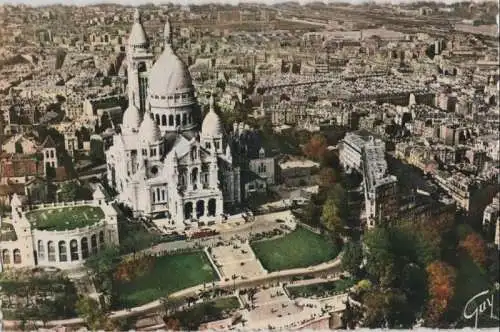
331	216
380	260
327	177
94	316
101	267
72	191
352	257
96	153
387	309
312	214
441	280
316	148
351	316
475	247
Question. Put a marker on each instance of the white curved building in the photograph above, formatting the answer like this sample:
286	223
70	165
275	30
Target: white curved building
61	235
160	163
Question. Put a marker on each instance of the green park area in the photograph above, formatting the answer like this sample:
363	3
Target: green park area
65	218
471	279
300	248
323	289
167	275
192	318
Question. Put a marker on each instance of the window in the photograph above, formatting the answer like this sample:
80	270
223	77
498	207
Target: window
170	120
5	256
184	119
216	144
17	256
73	248
41	250
163	195
85	247
63	252
208	145
144	152
101	238
93	243
178	120
163	120
51	249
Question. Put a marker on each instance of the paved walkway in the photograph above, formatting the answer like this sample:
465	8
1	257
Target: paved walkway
333	266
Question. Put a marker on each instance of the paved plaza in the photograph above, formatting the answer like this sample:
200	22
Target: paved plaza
237	259
273	308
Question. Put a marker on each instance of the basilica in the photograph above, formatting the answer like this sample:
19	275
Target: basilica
162	164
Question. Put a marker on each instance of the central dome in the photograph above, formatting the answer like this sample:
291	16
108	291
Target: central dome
169	75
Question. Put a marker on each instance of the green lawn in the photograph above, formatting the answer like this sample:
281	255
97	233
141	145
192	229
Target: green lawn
323	289
7	232
217	309
169	274
65	218
301	248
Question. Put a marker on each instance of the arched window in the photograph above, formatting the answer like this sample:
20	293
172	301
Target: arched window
85	247
5	256
157	118
101	239
163	120
73	249
194	177
184	119
178	120
51	249
17	256
41	250
51	153
63	251
93	244
170	120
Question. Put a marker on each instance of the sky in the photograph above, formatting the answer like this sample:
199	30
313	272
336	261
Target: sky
184	2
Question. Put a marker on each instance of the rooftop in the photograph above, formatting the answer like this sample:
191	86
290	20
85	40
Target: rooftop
65	218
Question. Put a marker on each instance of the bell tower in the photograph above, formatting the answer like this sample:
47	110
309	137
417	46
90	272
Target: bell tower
139	62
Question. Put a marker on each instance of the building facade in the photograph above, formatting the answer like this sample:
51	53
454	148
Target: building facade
162	165
29	241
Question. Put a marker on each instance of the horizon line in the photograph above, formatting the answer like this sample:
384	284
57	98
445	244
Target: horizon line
80	3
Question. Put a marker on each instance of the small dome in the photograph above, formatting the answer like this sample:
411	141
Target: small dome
131	117
212	124
137	36
149	130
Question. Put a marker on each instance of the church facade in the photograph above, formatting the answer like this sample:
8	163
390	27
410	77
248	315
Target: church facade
161	163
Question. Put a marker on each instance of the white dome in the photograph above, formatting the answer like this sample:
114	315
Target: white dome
131	117
137	36
212	124
149	130
169	74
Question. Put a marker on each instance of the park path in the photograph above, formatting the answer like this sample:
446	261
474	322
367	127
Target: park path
333	266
